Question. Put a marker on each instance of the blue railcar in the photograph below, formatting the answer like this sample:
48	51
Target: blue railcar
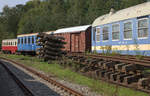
126	31
27	43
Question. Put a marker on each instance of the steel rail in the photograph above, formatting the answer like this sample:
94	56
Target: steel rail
53	82
116	58
125	60
131	86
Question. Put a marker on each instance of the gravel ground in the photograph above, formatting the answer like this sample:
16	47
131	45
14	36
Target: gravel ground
8	86
41	91
35	85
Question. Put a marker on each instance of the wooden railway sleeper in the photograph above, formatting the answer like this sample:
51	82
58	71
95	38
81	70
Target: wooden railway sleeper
101	64
107	75
129	67
113	76
103	72
120	78
144	83
109	66
118	67
132	78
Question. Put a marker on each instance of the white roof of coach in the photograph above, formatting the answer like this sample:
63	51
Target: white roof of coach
32	34
49	32
131	12
72	29
8	40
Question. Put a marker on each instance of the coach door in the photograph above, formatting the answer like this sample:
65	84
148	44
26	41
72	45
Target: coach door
75	43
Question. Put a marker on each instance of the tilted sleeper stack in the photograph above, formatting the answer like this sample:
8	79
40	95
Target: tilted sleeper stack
51	47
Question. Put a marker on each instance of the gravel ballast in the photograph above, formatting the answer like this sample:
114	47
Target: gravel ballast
41	87
8	86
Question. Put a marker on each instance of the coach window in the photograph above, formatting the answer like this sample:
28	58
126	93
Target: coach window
105	33
25	40
128	30
32	40
115	32
97	34
143	28
28	40
18	40
22	40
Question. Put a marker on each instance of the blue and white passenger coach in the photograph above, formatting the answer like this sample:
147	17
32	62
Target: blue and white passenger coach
27	43
126	31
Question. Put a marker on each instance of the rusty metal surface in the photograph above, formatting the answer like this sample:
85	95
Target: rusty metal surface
77	42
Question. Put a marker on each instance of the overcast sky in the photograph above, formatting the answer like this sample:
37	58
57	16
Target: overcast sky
11	3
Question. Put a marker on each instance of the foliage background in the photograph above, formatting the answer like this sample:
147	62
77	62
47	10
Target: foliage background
46	15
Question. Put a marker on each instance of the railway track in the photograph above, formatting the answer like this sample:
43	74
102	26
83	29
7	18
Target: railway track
25	90
145	61
127	72
68	90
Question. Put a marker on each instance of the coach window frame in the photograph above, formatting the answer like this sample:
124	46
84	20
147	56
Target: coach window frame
29	41
18	40
105	33
22	40
128	30
32	39
25	40
146	18
118	31
98	34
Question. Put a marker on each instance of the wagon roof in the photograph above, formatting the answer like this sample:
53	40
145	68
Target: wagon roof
6	40
72	29
131	12
32	34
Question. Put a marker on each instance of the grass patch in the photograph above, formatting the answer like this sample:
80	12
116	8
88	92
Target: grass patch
101	87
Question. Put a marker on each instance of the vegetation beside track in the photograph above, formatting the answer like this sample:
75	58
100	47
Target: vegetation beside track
65	73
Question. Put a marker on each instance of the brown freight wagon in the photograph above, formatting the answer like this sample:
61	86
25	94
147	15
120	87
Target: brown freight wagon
78	38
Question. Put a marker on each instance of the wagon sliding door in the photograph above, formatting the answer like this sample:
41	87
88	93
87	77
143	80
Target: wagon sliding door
75	43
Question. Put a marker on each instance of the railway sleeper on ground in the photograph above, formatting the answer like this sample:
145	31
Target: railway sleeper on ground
101	64
103	72
144	83
120	77
132	79
119	66
129	67
110	65
107	74
113	77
